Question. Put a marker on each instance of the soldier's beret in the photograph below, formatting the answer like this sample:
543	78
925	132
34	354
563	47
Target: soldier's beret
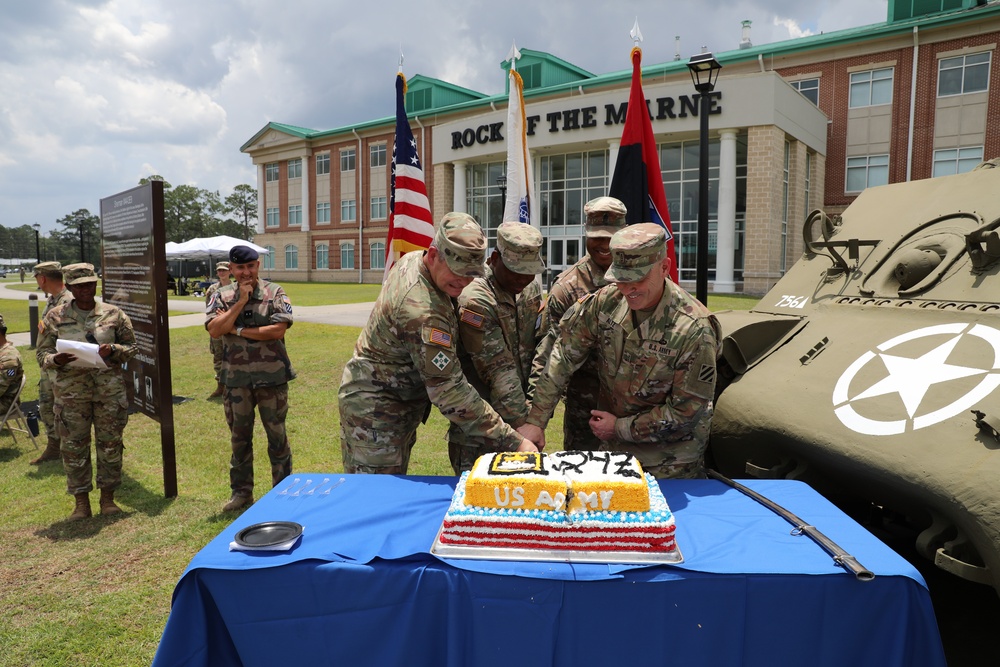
459	239
53	269
78	274
635	250
604	217
519	246
241	254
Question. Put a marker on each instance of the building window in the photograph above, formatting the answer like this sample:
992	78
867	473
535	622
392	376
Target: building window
322	164
679	164
378	255
267	261
956	160
483	197
294	215
809	89
531	75
295	168
567	183
963	74
418	100
348	210
347	256
378	210
867	171
377	155
871	88
291	257
271	172
273	218
322	256
347	159
323	213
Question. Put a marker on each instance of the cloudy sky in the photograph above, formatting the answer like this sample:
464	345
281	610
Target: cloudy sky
95	95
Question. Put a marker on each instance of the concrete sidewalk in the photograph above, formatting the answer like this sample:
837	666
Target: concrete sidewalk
348	314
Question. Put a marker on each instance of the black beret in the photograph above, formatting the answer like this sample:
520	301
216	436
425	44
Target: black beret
241	254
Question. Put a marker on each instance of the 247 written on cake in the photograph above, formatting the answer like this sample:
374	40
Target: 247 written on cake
583	502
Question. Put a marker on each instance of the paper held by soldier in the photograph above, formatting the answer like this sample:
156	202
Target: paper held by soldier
87	355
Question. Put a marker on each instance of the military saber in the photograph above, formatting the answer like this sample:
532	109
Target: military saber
840	557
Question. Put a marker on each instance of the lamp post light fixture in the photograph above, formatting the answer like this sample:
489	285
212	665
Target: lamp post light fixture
704	74
38	245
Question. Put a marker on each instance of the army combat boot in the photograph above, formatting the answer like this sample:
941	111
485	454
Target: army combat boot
217	392
108	502
82	509
237	501
51	453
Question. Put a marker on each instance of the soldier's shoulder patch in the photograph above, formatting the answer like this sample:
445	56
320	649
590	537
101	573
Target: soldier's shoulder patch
472	318
441	361
284	303
585	297
438	337
706	373
11	372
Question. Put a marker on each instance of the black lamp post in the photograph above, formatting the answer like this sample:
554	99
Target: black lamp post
704	73
502	184
38	245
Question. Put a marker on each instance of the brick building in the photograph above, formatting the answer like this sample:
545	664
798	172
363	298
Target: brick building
794	126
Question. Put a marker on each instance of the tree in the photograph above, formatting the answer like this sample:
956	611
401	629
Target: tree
242	206
79	240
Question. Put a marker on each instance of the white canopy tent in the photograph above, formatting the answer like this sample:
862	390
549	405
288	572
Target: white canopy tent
210	248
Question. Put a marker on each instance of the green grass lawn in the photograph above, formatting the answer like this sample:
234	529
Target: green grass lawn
97	592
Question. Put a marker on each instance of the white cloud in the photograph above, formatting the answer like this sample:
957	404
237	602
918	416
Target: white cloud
100	93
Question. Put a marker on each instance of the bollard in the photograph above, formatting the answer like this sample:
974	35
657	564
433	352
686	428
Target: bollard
33	318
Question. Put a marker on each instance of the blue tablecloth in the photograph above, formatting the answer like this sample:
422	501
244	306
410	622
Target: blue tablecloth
362	588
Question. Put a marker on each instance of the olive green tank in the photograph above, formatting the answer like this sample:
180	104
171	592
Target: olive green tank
871	369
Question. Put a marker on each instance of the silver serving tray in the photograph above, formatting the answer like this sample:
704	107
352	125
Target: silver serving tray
558	555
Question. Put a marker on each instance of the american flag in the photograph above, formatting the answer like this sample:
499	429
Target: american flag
411	226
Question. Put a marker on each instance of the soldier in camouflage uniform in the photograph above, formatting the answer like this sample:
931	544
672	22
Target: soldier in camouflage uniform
215	344
406	358
49	277
88	397
11	371
604	217
656	347
499	324
251	316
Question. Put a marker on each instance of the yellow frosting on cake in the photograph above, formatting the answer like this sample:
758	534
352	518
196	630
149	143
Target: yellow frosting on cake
564	481
513	480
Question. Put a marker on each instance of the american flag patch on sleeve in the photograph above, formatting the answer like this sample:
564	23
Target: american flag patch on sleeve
472	318
442	338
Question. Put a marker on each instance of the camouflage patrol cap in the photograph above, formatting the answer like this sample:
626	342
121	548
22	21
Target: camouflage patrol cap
222	265
53	269
460	241
605	216
635	250
77	274
3	327
519	246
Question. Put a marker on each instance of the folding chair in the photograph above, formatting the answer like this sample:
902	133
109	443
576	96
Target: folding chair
15	420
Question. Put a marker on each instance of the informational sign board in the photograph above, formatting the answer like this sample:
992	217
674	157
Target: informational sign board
135	279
